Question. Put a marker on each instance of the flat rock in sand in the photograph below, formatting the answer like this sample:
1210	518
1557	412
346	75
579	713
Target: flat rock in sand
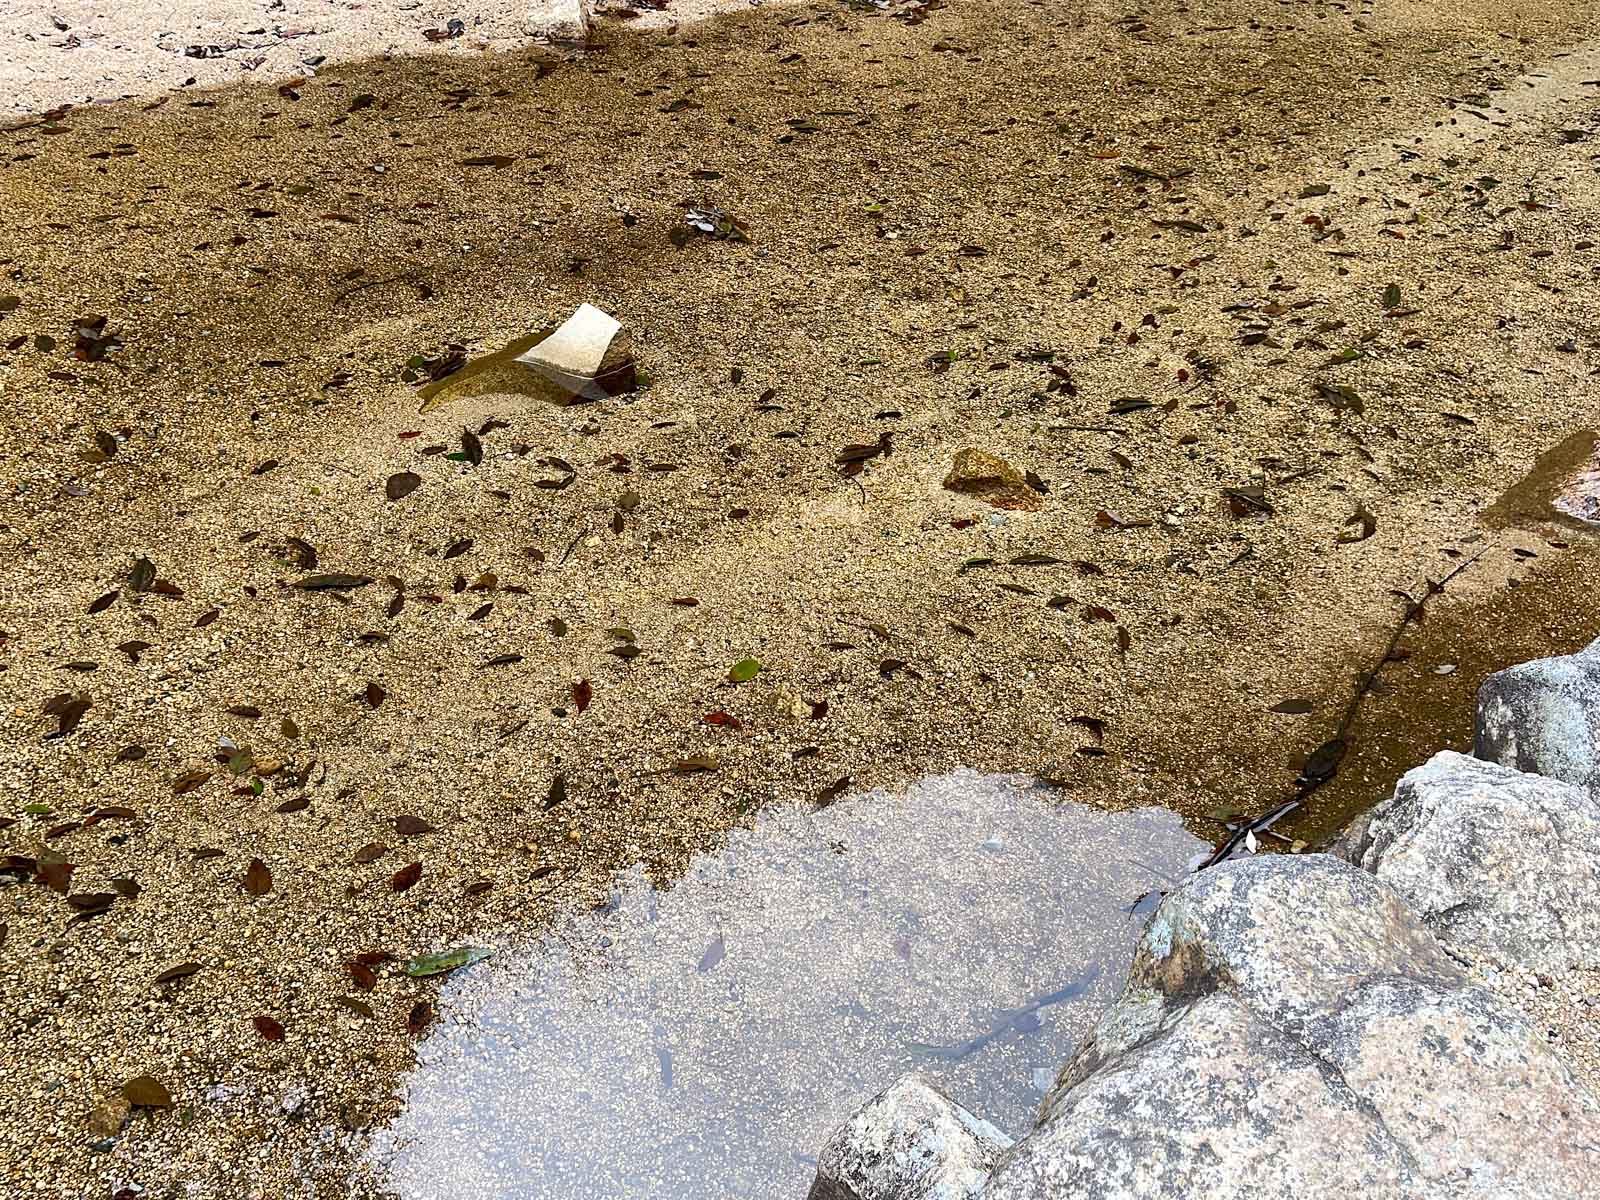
993	480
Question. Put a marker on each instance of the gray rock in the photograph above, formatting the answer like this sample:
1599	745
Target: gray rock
1470	1088
1543	717
909	1142
1216	1103
1291	1030
1494	861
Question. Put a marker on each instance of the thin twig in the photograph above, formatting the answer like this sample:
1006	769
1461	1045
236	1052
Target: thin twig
1339	743
409	277
572	545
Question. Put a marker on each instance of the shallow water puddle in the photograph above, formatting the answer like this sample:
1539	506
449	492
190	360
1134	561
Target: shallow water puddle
704	1041
1563	486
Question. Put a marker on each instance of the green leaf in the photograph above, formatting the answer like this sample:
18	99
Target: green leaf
36	810
446	960
744	670
1391	296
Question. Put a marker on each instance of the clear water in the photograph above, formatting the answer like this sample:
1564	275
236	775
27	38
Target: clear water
702	1042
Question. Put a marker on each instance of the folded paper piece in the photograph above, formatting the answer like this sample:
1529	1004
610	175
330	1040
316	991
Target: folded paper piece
588	357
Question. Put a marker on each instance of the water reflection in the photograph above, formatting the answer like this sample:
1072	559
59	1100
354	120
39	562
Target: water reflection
703	1041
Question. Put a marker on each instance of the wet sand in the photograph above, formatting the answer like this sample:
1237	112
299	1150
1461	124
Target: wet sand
1146	258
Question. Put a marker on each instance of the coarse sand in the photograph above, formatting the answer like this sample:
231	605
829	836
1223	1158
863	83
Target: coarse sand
74	52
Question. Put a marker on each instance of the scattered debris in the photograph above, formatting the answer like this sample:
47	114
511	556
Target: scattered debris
707	221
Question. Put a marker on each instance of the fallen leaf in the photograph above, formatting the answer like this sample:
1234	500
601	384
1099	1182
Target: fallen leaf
446	960
257	879
335	582
355	1005
558	791
744	670
401	485
68	711
1110	520
90	903
133	650
145	1091
419	1018
1324	761
833	791
268	1028
54	875
190	780
406	877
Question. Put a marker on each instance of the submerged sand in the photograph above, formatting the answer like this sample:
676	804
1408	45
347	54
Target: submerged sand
1344	254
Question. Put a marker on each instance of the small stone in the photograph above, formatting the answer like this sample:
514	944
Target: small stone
109	1116
993	480
910	1142
560	20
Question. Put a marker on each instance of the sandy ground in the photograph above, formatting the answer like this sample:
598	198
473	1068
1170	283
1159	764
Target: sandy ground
1197	218
59	52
